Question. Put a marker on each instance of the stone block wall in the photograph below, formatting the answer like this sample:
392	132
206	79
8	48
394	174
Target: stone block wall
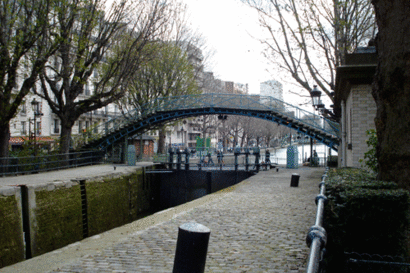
363	114
54	215
11	226
51	215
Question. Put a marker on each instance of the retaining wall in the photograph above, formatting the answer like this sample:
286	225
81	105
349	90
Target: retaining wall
11	226
52	215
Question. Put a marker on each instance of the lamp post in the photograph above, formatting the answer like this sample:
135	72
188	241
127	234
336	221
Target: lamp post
315	94
35	106
182	136
317	104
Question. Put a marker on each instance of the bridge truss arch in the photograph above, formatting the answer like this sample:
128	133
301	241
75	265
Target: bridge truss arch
167	109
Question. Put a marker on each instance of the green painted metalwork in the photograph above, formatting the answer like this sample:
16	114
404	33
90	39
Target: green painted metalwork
166	109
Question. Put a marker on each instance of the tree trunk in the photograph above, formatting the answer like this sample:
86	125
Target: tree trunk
65	139
391	90
4	140
4	147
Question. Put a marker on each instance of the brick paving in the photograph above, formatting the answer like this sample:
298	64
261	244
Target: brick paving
260	225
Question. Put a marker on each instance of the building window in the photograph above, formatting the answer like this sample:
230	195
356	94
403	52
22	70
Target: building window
80	126
38	128
87	89
23	108
56	126
23	128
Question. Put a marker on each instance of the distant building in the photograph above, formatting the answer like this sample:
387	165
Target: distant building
240	88
272	88
229	87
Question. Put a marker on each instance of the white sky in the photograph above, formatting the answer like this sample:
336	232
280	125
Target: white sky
227	26
231	28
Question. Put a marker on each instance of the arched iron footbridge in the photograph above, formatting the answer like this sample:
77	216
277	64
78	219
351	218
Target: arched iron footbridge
167	109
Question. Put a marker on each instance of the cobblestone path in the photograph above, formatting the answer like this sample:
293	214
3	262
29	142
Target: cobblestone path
259	225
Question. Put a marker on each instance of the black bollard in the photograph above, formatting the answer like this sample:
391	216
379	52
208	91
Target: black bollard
294	181
192	247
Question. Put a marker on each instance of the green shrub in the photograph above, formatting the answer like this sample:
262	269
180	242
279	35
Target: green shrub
370	159
364	215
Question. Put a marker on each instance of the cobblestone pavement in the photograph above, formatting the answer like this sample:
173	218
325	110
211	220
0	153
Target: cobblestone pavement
260	225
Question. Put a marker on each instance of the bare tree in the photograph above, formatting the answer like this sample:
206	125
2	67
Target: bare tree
235	129
308	39
172	70
99	46
27	40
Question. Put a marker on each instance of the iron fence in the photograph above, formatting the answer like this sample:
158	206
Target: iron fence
34	164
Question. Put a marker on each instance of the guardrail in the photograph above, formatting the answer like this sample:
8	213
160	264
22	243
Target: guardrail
317	237
34	164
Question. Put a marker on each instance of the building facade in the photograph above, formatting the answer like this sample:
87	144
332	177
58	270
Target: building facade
356	105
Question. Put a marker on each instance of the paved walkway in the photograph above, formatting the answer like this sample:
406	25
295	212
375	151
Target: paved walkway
259	225
70	174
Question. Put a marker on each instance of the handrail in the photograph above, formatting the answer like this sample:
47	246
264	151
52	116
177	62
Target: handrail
34	164
317	237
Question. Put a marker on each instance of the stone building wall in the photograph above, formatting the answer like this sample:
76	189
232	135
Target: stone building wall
360	114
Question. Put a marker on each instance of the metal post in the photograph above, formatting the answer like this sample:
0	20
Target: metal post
247	159
171	157
186	151
236	153
126	149
192	247
311	152
35	133
179	159
256	152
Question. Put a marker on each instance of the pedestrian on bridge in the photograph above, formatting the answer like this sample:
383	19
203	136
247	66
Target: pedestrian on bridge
210	161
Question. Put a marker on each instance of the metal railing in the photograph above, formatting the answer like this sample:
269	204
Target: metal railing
317	237
34	164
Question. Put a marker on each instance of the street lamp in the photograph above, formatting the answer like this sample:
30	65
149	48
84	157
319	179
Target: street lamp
315	94
35	106
182	136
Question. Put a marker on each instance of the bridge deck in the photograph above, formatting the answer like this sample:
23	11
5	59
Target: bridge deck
259	225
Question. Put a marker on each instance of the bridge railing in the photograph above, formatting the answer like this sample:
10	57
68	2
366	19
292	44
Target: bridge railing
269	105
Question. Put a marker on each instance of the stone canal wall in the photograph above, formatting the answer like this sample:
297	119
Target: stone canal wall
11	226
36	219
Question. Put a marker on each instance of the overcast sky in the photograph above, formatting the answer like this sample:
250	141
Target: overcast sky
228	26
